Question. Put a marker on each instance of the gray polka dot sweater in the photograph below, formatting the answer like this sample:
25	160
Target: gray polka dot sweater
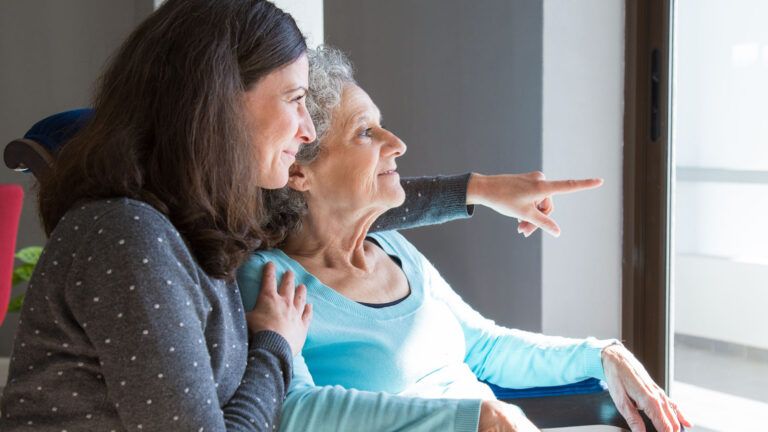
122	330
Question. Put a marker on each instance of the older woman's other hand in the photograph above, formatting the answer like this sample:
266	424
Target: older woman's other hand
497	416
632	389
527	197
284	311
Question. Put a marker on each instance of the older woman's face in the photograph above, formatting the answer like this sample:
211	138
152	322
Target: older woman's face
356	167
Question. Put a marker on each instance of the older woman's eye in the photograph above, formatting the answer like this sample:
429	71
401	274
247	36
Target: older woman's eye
367	132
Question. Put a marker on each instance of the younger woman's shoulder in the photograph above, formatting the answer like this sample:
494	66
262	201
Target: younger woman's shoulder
118	214
120	229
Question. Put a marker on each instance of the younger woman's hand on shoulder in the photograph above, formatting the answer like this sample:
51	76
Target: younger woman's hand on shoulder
284	311
497	416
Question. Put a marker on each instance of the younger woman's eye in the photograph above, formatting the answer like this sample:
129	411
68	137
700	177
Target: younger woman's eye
299	97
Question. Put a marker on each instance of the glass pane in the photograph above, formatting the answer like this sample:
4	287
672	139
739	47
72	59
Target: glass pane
721	71
719	214
723	220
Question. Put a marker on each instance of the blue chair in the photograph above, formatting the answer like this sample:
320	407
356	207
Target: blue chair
38	148
581	404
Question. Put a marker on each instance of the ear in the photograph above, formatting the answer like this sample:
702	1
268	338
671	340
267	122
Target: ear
298	179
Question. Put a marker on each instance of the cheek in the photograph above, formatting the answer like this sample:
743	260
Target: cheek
347	173
273	144
340	180
290	119
269	143
272	128
366	181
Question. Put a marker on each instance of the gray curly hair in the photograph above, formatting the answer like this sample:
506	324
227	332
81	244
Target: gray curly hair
329	71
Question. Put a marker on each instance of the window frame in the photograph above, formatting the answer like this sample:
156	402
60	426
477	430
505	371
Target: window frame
646	201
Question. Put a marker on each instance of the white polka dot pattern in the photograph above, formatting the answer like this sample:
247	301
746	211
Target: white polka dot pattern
135	320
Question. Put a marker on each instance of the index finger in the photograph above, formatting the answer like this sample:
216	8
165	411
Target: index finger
680	416
555	187
268	280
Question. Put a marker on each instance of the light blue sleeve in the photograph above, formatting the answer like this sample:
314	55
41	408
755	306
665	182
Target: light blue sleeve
308	407
514	358
334	408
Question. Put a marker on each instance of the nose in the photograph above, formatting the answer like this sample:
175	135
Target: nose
395	145
306	131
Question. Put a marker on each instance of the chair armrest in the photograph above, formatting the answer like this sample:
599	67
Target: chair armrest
27	155
591	385
581	404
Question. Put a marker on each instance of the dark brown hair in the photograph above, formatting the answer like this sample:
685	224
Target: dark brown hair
168	125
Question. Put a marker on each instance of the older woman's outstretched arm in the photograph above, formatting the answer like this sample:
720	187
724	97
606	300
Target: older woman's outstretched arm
428	201
439	199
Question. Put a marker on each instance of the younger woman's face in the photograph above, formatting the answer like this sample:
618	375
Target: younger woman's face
278	121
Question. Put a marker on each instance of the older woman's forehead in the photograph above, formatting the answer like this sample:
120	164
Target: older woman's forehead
356	107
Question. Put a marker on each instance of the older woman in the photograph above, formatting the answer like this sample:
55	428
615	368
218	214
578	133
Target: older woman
392	346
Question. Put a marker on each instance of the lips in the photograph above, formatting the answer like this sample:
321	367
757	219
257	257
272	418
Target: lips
389	171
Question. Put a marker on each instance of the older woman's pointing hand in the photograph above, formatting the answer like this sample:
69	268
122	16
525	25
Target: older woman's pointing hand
527	197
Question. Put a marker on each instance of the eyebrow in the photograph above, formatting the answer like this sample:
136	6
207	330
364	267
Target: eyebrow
360	119
296	89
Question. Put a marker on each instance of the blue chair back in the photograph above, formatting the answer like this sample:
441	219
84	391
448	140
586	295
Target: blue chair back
39	147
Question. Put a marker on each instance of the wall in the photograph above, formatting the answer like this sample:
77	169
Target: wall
460	83
583	96
51	52
308	15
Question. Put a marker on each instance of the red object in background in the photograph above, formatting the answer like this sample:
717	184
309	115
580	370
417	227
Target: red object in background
11	197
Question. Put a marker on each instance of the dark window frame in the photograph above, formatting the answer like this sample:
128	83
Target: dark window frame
645	256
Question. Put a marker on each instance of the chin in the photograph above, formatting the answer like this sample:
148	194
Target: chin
273	180
399	199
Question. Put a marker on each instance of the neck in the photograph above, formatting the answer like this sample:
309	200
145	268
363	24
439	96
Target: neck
333	239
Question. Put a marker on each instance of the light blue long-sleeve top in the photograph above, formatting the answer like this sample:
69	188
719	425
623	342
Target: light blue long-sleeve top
413	366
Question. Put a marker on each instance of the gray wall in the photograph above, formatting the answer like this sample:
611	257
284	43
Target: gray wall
51	52
461	83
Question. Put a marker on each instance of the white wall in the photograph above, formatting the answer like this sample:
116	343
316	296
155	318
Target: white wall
583	137
308	15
